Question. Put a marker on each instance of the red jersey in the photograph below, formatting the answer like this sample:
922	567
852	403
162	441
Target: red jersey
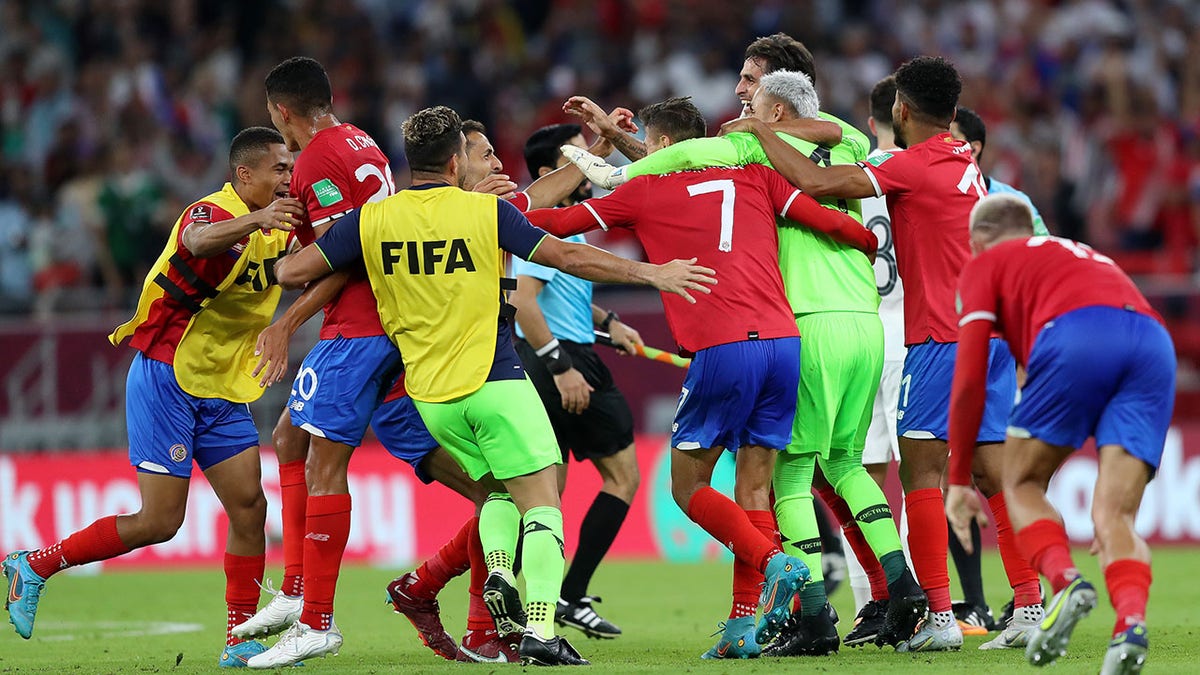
723	217
340	170
1022	284
931	189
159	335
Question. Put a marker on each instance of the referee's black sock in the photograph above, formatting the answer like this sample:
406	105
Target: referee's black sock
970	576
596	534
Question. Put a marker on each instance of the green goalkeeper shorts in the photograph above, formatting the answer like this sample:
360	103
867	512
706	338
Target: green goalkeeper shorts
841	358
501	429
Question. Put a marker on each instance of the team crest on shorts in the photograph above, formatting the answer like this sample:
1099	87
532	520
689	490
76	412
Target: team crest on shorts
178	452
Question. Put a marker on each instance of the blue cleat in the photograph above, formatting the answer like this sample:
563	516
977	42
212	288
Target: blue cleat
737	641
785	576
24	591
236	656
1127	651
1053	634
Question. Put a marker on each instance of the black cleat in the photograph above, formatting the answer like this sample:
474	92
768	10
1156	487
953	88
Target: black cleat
579	614
867	624
556	651
973	619
906	607
504	604
814	635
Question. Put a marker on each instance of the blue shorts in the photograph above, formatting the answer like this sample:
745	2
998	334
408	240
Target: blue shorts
169	427
1103	372
740	393
340	384
924	410
403	434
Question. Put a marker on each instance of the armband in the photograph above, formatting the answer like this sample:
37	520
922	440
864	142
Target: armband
555	357
611	317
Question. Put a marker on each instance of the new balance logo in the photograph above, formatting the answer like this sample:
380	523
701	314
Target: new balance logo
317	536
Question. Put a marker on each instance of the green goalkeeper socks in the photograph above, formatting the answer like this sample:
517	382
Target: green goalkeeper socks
499	525
542	562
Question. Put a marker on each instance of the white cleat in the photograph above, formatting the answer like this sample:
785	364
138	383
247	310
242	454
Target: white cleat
275	617
931	639
1020	628
595	169
298	643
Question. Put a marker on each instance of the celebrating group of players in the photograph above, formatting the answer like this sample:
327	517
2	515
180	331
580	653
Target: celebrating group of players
763	251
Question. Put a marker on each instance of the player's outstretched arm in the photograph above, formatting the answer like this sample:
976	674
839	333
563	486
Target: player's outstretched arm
588	262
272	345
805	210
205	240
841	180
821	132
967	396
603	124
564	222
694	153
307	264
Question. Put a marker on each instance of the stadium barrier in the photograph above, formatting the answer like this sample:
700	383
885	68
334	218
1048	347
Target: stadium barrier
45	496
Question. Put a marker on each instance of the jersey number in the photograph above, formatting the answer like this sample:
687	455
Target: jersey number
1080	250
886	253
971	178
387	186
728	195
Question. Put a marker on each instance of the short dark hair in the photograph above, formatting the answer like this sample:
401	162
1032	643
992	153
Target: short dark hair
972	127
473	126
676	117
931	85
542	147
250	144
783	52
301	84
883	95
431	137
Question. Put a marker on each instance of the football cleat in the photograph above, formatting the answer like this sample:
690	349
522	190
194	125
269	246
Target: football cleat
553	652
275	617
930	638
1069	605
1127	651
24	591
905	610
235	656
814	635
785	576
579	614
1018	631
867	624
486	646
736	641
424	616
504	603
596	170
973	619
298	643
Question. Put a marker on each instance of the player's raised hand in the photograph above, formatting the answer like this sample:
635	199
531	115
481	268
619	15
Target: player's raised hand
962	507
746	124
592	115
625	338
272	352
623	118
681	276
282	214
497	184
575	392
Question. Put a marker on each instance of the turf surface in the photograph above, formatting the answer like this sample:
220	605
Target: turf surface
142	622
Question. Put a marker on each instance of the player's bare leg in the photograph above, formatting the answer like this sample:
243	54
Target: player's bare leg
237	482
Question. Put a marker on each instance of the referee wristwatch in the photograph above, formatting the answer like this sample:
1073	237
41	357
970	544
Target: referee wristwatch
608	319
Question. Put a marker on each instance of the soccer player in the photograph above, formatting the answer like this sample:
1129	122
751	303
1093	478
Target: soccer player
735	395
931	188
432	244
555	323
1050	297
204	301
973	614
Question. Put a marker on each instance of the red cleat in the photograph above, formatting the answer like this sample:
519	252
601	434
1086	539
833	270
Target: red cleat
423	614
486	646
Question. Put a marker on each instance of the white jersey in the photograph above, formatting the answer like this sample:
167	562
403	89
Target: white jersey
887	276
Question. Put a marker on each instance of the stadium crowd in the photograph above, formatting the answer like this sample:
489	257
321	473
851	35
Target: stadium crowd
114	115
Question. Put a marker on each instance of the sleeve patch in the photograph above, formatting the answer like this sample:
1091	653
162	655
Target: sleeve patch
326	192
201	213
879	159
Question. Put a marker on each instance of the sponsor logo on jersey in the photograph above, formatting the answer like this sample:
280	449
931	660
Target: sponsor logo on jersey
880	158
327	193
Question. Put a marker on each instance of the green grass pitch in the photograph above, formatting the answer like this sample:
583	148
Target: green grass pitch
120	622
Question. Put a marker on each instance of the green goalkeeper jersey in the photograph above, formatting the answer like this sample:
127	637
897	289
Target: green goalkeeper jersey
819	274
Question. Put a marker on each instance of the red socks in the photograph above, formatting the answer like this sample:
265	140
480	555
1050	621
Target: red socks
929	544
294	496
1045	545
98	541
858	543
478	617
747	581
719	516
1021	576
1128	583
327	528
450	561
242	577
